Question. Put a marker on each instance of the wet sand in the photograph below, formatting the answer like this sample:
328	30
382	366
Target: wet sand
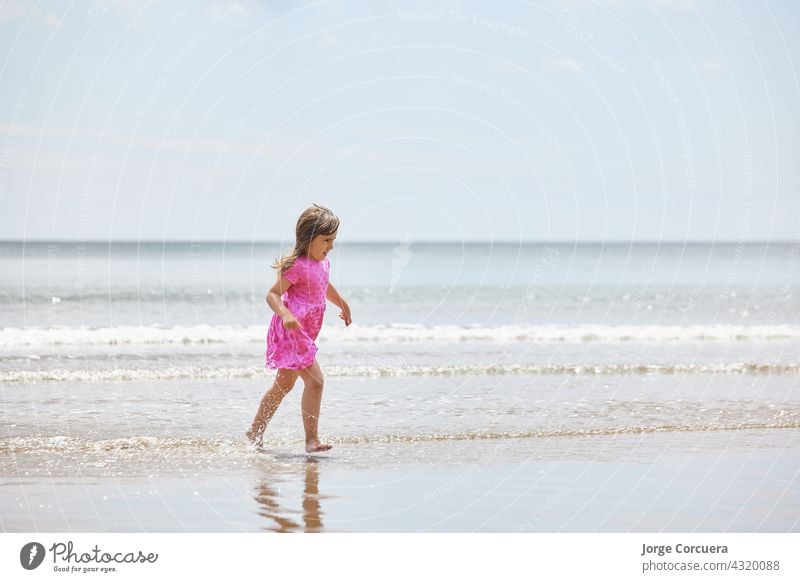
704	481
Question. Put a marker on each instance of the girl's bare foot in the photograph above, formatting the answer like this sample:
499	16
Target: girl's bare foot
256	438
314	446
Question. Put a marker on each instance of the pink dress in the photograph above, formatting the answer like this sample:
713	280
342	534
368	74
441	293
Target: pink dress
294	349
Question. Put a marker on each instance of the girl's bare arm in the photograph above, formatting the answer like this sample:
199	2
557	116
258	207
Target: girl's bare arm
276	305
334	297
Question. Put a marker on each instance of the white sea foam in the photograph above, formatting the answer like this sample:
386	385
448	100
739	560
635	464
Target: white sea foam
224	373
11	337
228	447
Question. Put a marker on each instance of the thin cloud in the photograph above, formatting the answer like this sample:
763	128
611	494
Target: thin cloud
17	11
507	67
274	147
624	4
329	40
564	64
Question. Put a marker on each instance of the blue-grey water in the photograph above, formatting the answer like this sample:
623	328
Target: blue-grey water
92	311
187	284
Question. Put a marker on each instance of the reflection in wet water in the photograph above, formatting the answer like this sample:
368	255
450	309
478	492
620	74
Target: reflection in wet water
269	497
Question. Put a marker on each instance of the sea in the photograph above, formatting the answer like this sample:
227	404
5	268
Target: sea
135	359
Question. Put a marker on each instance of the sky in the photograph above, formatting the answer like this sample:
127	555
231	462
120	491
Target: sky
557	120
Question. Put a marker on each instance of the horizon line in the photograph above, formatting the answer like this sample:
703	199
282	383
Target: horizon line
396	241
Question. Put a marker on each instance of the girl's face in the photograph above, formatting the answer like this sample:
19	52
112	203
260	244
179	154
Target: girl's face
320	246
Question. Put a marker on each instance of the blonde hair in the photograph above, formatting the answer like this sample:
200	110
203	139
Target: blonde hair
313	221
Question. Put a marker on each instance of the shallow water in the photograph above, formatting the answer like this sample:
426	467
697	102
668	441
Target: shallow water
54	428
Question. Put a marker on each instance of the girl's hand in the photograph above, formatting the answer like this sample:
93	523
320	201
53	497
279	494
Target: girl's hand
290	321
345	314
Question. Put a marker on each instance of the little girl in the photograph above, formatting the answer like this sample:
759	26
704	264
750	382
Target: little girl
303	285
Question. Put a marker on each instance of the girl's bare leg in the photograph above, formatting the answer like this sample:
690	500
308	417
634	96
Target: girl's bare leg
310	405
284	382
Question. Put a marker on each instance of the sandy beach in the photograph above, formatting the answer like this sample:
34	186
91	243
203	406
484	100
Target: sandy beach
600	484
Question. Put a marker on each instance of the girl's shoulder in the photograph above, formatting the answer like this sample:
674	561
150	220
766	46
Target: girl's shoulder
310	263
299	261
304	264
296	270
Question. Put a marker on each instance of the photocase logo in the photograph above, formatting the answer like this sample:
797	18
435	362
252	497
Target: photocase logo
31	555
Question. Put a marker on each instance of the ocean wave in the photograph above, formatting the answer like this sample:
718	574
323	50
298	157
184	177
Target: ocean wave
226	373
138	444
127	334
12	337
